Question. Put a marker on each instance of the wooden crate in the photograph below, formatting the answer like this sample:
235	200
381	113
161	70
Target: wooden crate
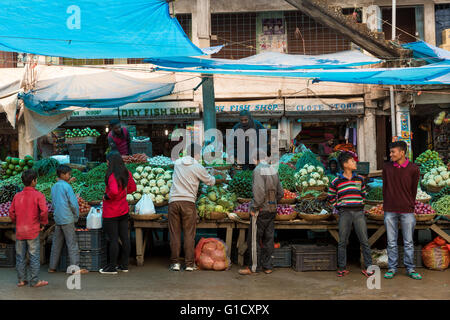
81	140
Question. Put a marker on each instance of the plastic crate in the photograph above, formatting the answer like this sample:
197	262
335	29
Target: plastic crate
92	260
91	239
363	168
76	147
417	256
312	257
7	255
162	210
78	160
141	147
282	257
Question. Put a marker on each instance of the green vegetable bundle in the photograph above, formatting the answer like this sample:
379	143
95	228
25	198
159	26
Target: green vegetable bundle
375	194
308	158
444	192
242	184
216	199
426	156
8	192
286	174
426	166
46	166
442	206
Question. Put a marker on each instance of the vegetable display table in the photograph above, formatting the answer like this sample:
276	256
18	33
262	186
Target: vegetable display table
333	229
141	241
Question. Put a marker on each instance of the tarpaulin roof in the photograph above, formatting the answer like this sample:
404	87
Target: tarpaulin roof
93	29
429	53
437	73
99	89
272	61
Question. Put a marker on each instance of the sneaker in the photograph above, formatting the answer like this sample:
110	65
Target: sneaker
175	267
108	270
191	268
121	268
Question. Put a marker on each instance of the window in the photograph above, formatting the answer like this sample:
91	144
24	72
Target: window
405	24
238	31
442	12
8	59
81	62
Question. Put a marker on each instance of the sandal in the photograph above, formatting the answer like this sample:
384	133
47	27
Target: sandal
51	270
245	271
342	273
367	273
22	283
389	275
40	283
268	271
414	275
81	271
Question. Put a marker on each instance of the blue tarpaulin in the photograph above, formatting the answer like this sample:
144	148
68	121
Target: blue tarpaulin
423	50
272	61
93	29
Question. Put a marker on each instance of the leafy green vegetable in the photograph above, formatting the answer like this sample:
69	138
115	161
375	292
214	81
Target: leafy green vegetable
45	166
442	206
286	174
375	194
242	184
309	158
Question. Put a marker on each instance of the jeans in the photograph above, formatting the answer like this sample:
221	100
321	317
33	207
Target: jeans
408	223
265	229
114	229
33	249
347	217
64	234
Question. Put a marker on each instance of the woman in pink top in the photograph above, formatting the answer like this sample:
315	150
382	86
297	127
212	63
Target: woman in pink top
119	182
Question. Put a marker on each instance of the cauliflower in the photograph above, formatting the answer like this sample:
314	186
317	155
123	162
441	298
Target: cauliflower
169	183
166	197
137	196
426	176
304	184
160	182
431	182
311	169
130	197
159	176
152	196
312	182
144	174
444	175
306	166
136	176
144	182
441	168
438	178
152	183
140	169
303	172
139	188
441	183
434	172
159	199
148	169
320	170
147	190
151	176
167	176
155	190
447	182
325	180
320	183
164	190
315	175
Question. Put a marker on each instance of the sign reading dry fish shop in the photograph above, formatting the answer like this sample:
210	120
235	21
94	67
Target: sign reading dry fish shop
177	109
261	107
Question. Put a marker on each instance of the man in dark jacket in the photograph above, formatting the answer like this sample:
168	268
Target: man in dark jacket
267	191
246	122
119	138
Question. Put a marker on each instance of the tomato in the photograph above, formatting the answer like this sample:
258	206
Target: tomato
276	245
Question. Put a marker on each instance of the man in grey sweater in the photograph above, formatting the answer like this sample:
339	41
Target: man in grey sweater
267	191
182	210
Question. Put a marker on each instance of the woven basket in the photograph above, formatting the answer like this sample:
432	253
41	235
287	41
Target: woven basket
243	215
317	188
165	203
379	217
244	200
84	214
221	180
143	217
5	220
286	217
424	200
132	202
434	189
424	217
373	202
224	167
94	203
314	217
287	201
216	216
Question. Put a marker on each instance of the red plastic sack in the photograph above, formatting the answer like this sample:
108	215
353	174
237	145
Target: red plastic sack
436	254
211	254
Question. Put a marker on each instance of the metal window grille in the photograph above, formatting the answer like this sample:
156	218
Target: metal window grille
442	20
238	31
8	59
406	24
312	37
81	62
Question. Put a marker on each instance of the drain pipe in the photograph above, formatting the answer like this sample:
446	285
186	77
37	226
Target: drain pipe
394	18
393	122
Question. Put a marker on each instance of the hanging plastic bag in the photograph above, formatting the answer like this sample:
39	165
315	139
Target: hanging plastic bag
94	218
436	254
145	205
211	254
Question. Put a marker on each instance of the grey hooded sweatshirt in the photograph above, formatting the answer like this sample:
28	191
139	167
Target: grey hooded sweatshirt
186	178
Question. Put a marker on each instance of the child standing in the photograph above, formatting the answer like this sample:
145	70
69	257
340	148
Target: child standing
347	192
66	212
29	212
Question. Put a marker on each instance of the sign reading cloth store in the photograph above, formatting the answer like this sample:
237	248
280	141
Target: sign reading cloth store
269	107
324	106
177	109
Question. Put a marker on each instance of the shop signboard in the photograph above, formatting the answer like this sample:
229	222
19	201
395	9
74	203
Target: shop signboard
272	107
325	106
93	112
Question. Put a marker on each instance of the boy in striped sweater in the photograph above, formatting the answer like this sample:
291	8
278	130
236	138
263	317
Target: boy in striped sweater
347	192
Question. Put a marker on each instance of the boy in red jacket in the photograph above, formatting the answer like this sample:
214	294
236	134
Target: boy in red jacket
29	212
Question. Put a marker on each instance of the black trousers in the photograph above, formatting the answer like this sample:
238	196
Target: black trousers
265	229
114	229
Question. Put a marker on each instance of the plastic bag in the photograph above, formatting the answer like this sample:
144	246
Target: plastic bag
145	205
94	219
436	254
211	254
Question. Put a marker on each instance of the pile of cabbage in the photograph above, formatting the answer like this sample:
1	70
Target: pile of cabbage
216	199
311	176
155	182
437	177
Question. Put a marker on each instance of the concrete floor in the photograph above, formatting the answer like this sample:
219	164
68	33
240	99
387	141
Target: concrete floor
154	281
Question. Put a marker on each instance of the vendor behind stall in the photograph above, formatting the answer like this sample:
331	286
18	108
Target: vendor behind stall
119	138
326	148
247	122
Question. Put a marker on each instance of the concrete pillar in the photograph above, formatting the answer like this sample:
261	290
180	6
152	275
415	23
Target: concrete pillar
372	17
25	148
430	23
209	105
370	139
201	24
360	141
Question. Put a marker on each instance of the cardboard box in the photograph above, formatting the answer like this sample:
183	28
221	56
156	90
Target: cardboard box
445	46
446	36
